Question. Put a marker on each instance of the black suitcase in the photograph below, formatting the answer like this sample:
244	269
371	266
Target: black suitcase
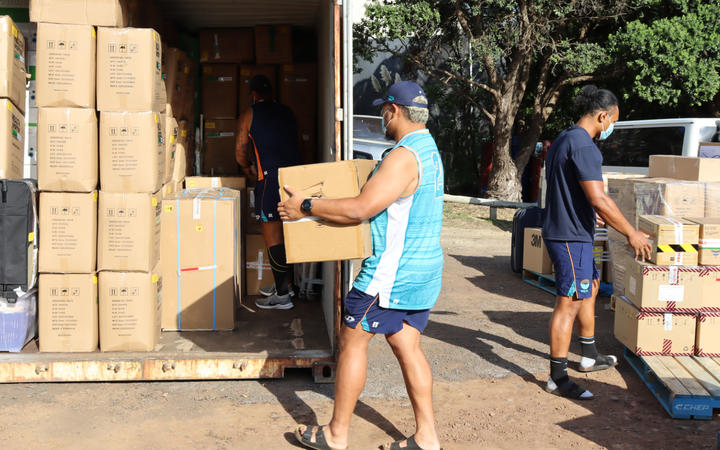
18	237
524	218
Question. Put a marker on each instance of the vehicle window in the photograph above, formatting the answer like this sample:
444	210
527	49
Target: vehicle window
632	147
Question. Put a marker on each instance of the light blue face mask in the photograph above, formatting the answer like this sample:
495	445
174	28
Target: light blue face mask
604	134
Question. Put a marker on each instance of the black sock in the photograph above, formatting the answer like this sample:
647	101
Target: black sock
282	271
588	347
558	369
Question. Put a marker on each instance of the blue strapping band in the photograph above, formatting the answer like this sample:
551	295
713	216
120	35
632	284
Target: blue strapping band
179	290
214	254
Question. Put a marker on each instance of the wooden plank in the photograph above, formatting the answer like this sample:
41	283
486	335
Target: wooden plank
712	367
665	376
684	377
709	382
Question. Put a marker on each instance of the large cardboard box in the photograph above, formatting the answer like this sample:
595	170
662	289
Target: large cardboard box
710	278
219	148
200	259
712	200
257	265
129	311
131	152
129	74
172	187
311	239
219	91
175	72
68	312
129	231
66	66
170	137
273	44
247	72
675	240
12	63
650	334
251	221
111	13
709	150
68	232
709	247
707	335
684	168
227	45
12	137
237	183
68	156
535	254
662	288
298	90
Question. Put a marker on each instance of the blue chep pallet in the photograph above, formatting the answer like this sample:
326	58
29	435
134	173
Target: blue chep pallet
542	281
688	387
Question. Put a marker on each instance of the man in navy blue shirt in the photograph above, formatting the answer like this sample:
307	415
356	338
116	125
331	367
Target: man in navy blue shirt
575	198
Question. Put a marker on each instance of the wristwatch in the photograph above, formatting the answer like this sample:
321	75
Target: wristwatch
306	205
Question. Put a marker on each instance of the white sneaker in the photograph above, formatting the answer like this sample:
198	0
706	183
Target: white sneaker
275	302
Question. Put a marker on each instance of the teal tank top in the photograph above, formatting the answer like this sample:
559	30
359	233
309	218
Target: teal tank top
405	269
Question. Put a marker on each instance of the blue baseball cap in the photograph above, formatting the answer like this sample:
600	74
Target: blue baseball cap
403	93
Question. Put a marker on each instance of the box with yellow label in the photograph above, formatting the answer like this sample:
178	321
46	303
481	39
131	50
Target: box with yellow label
170	136
12	138
674	240
200	259
12	63
67	312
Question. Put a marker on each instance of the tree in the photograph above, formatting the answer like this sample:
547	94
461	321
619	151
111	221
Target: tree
486	52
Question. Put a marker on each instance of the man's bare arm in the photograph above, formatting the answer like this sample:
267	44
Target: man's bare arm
242	141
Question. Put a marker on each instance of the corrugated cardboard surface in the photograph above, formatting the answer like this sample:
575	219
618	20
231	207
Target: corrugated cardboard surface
68	235
237	183
12	63
674	239
111	13
251	222
247	72
535	255
184	157
312	240
12	138
707	336
227	45
131	152
712	200
656	288
66	66
68	313
176	68
273	44
684	168
219	91
219	149
654	333
298	90
129	74
129	231
709	248
257	265
710	277
170	137
68	139
129	311
200	259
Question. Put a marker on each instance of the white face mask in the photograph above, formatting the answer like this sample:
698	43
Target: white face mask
384	125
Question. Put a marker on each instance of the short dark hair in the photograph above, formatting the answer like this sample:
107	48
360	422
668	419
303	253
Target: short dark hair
591	99
261	85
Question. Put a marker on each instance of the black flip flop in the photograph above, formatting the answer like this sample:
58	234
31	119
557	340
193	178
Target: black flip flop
305	438
411	445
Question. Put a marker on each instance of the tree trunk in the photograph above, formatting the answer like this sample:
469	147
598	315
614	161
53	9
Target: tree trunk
527	143
503	183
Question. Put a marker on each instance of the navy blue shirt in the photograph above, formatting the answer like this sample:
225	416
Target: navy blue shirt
573	157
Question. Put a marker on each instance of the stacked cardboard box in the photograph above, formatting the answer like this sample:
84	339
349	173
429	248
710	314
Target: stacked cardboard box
12	99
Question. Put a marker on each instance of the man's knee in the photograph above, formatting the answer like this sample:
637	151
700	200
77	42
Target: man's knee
354	338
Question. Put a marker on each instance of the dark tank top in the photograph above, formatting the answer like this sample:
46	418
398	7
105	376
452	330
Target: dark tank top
273	133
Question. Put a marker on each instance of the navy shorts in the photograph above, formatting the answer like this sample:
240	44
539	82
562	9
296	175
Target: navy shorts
361	308
267	196
575	267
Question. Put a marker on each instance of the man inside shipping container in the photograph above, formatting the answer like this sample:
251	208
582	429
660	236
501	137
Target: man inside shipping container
397	285
268	130
575	200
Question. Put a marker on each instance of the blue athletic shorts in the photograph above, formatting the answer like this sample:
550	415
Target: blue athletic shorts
575	267
267	196
364	309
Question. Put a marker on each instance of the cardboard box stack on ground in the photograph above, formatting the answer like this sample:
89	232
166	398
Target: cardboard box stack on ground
68	312
535	254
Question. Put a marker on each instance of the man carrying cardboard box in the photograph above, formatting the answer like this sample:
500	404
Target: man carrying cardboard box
400	282
575	198
269	130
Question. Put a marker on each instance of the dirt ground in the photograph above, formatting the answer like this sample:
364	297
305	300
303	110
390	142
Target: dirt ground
486	342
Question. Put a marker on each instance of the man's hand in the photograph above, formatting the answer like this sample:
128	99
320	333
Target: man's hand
599	220
248	172
639	242
290	209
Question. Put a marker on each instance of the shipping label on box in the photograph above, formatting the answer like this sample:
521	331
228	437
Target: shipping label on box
170	137
311	239
273	44
654	334
111	13
128	231
12	140
129	311
663	288
68	160
66	66
200	259
131	152
237	183
535	255
258	272
68	235
709	247
129	75
684	168
219	148
12	63
707	337
68	313
219	91
675	241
